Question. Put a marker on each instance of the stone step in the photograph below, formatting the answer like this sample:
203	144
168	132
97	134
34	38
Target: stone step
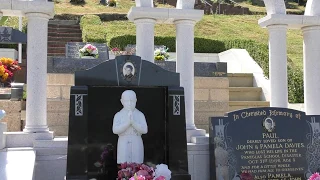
56	44
56	54
62	35
237	105
60	48
63	22
55	50
74	26
240	79
64	30
56	142
245	93
64	39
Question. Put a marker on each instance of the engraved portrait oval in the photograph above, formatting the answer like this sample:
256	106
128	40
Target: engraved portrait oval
128	70
269	124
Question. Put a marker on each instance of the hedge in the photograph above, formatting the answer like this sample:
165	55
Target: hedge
259	52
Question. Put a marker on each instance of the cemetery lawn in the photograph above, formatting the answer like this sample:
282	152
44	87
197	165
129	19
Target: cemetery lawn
220	27
123	6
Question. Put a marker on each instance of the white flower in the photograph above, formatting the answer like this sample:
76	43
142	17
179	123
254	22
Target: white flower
162	170
94	52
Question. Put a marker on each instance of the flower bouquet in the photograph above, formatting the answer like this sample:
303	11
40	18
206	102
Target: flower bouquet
89	50
314	176
8	67
134	171
161	54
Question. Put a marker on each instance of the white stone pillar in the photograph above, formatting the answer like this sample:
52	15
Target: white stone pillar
311	62
185	65
36	110
145	38
278	65
3	128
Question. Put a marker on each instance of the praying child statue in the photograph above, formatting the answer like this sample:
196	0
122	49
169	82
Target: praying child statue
129	123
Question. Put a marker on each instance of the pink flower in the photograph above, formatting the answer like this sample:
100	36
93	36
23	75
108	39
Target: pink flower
123	165
160	178
246	176
314	176
123	173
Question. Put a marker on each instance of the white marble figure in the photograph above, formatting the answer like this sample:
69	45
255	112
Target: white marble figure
129	123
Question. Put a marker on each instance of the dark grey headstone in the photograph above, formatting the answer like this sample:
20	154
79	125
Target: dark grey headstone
8	35
112	72
268	143
72	49
95	99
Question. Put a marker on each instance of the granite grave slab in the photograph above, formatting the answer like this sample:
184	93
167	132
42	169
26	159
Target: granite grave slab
72	49
265	143
94	101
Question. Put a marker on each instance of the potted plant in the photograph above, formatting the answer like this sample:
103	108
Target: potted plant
89	52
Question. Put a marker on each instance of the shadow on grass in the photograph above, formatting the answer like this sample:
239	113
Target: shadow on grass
78	2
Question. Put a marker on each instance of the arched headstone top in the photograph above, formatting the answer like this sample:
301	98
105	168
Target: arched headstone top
127	70
312	8
144	3
275	6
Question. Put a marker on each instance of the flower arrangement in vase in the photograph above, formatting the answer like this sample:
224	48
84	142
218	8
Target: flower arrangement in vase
8	67
134	171
117	52
314	176
89	51
161	54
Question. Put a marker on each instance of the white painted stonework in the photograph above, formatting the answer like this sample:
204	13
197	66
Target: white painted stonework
312	8
3	128
17	164
278	65
275	6
144	3
185	4
309	24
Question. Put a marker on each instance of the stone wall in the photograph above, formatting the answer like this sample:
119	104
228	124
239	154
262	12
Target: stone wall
211	99
13	114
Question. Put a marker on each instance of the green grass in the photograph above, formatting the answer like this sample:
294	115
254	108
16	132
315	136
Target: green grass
210	27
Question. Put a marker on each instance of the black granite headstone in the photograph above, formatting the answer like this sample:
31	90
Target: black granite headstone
267	143
8	35
72	49
94	101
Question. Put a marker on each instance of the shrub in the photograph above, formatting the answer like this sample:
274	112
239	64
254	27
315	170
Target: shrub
77	1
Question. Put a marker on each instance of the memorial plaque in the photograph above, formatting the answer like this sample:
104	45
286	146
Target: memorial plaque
72	49
267	143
